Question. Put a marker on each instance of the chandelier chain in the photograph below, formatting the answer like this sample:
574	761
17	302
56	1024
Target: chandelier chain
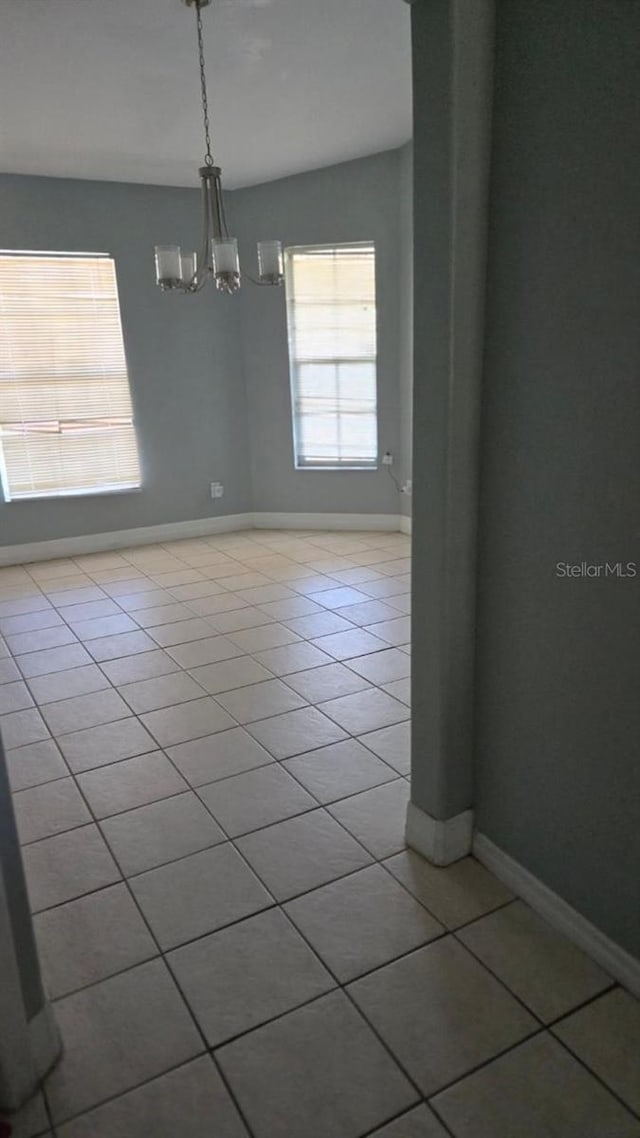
208	158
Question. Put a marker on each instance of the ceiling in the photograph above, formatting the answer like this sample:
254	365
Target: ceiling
109	89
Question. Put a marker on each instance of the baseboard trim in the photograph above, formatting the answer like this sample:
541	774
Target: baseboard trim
405	523
615	960
379	522
121	539
197	527
440	841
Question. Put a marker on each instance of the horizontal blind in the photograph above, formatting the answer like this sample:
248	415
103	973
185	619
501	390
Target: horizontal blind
331	310
66	421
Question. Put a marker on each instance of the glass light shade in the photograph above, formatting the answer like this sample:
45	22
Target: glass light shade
270	262
168	266
226	264
189	267
224	251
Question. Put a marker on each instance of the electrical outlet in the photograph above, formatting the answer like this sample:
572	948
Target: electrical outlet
387	458
217	489
408	487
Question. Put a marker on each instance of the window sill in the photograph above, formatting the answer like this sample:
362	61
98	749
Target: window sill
62	495
339	468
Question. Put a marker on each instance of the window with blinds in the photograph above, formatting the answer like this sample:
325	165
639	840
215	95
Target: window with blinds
331	311
66	422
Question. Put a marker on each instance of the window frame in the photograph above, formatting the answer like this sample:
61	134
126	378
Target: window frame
333	464
11	498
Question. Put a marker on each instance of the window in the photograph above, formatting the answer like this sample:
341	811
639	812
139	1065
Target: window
331	311
66	424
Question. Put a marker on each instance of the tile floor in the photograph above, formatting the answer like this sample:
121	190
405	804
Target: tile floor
208	744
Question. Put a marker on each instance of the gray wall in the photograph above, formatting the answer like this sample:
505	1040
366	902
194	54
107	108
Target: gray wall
355	201
188	358
184	364
558	714
405	465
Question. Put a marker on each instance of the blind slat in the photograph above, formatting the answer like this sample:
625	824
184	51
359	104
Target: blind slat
66	421
331	313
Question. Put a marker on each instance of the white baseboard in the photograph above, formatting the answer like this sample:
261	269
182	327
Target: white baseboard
383	522
440	842
405	524
121	539
615	960
198	527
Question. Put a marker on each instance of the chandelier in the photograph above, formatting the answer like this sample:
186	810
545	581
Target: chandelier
181	271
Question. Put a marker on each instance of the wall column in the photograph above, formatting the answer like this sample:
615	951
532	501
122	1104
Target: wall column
452	92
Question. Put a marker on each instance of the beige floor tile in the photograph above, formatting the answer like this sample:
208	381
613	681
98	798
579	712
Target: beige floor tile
64	685
161	691
198	894
441	1013
393	744
82	711
217	756
355	1084
187	1102
365	711
536	1089
213	606
256	798
89	610
361	922
161	832
124	644
19	728
377	817
544	969
395	632
66	866
292	658
256	701
346	645
87	630
399	689
38	641
417	1123
295	732
163	614
181	632
86	940
14	697
266	636
606	1036
35	764
240	977
326	682
130	783
455	894
302	853
171	725
54	660
142	666
341	769
30	621
382	667
8	671
117	1034
230	674
52	808
323	623
100	746
210	650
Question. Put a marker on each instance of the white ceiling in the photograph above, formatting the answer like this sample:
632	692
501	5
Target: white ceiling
109	89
